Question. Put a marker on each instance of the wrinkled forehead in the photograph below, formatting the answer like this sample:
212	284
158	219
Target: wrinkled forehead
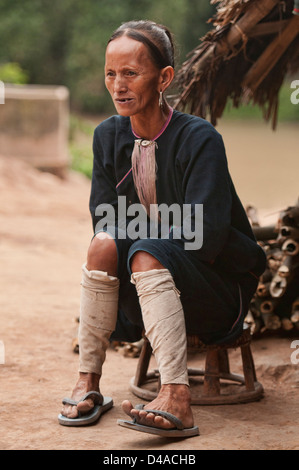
125	48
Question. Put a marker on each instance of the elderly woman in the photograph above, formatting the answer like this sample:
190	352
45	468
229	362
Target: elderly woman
139	275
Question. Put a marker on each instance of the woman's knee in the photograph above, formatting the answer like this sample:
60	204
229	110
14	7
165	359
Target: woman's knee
144	261
102	254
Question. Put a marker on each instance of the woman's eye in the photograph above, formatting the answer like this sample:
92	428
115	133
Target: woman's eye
131	73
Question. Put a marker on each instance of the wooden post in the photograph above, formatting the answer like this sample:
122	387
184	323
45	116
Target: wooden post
223	361
211	380
255	13
143	363
271	55
248	367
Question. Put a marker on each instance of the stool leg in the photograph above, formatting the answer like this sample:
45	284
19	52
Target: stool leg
248	367
223	361
211	386
143	363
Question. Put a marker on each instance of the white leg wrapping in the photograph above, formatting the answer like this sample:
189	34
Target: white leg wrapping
98	314
164	323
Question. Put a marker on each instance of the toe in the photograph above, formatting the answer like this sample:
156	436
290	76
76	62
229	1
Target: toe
150	418
73	413
85	406
161	422
127	408
69	412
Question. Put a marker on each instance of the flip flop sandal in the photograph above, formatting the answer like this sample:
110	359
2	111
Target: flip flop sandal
88	418
178	431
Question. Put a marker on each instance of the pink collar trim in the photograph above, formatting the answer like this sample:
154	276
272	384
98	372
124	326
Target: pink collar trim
163	128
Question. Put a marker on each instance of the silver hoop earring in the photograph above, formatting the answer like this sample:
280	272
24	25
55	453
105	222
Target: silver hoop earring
161	99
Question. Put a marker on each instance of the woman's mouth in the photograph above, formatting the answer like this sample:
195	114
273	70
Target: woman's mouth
123	100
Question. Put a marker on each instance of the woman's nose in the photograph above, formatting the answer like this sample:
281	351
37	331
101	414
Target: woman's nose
120	84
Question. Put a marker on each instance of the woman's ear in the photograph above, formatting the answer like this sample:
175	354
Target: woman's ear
166	77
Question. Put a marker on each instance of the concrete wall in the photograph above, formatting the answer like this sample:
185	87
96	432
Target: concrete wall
34	125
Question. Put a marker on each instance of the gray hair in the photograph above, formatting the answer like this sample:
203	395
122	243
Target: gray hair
157	38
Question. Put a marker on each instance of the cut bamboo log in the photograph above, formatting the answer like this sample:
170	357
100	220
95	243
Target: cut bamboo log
290	232
285	268
274	264
287	324
271	322
295	319
278	286
263	289
290	217
266	276
252	215
264	233
266	307
290	247
257	326
295	313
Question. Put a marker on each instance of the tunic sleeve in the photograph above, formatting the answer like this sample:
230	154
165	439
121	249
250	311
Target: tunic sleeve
103	183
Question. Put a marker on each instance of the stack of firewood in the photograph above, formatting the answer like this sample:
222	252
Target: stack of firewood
275	304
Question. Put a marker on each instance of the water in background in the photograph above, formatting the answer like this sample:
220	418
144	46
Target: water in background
263	163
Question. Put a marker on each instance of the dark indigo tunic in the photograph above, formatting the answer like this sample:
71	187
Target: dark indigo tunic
217	280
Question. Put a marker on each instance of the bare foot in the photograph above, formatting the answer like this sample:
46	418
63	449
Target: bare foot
173	398
86	383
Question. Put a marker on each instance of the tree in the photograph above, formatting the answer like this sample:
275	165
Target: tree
63	42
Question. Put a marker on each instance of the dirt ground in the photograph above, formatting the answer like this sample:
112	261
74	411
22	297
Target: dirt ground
45	230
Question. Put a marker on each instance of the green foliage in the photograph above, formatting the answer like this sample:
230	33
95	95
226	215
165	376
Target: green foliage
287	112
63	42
13	73
81	159
80	144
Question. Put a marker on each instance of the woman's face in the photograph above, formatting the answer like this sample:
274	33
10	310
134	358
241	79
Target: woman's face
131	77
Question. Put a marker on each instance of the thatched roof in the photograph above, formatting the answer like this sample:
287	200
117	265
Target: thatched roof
253	46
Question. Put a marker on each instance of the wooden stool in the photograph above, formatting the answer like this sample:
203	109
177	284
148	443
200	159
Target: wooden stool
218	386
